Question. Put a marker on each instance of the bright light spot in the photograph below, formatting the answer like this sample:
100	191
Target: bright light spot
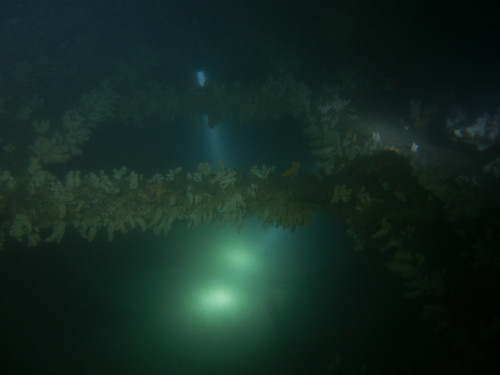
218	298
215	301
201	79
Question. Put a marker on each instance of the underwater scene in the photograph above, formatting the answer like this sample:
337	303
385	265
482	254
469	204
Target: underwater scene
249	187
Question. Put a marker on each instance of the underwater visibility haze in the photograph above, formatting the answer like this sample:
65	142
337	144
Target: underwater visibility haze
265	187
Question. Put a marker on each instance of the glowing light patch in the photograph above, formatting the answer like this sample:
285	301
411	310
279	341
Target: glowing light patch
215	301
218	298
240	258
200	78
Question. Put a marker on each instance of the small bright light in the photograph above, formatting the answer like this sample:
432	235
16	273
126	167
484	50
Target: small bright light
200	78
218	298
